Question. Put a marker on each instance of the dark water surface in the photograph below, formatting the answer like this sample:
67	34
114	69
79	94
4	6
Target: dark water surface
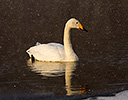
103	51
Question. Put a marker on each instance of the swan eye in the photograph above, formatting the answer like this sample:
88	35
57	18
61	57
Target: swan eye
76	22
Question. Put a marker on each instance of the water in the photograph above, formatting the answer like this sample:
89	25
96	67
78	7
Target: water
103	51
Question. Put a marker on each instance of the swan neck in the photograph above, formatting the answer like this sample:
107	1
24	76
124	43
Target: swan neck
67	42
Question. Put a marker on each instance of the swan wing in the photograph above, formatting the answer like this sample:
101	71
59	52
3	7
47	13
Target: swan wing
47	52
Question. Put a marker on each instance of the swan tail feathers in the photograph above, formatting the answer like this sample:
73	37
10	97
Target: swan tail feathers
28	51
31	56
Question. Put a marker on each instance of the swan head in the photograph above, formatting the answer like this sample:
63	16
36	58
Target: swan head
74	23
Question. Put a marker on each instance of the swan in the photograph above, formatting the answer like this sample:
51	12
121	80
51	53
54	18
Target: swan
55	52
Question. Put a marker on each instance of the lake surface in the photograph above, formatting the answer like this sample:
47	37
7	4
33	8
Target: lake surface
103	51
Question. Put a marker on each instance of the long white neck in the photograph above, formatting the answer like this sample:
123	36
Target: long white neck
69	53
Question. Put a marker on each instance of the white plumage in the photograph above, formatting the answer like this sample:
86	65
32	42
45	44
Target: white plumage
54	51
47	52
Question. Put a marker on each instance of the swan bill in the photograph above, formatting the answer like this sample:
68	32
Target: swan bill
85	29
82	28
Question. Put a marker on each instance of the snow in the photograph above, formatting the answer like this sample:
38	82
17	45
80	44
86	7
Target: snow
119	96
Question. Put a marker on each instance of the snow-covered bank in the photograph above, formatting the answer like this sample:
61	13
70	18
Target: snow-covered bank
119	96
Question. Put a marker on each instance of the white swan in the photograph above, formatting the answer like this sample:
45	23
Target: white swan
56	52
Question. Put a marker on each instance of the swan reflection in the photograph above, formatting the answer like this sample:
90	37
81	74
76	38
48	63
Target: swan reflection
52	69
47	69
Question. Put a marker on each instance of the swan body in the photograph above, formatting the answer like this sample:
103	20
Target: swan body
47	52
55	52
